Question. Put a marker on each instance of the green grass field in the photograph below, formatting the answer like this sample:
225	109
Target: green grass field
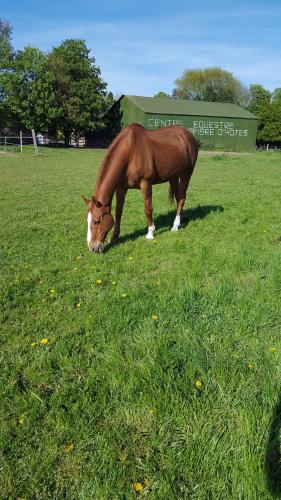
188	404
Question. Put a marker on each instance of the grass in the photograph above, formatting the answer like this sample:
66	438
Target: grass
113	397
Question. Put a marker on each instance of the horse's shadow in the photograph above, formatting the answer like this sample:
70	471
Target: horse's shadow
273	454
165	222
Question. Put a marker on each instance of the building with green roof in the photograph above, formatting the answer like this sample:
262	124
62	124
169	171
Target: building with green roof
216	125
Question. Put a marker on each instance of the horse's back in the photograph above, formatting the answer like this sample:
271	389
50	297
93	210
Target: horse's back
159	155
173	138
175	142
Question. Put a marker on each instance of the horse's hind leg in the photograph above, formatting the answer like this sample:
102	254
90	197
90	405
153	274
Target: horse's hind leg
146	190
180	195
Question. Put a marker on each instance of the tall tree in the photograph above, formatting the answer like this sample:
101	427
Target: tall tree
276	96
259	105
210	84
269	129
6	65
29	90
258	96
79	90
6	49
60	93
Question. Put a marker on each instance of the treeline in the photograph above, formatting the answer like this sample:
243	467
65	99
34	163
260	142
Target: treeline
61	93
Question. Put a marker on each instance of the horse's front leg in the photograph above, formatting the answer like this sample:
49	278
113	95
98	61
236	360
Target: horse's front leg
120	198
146	190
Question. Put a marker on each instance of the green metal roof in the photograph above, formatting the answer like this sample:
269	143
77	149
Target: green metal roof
162	105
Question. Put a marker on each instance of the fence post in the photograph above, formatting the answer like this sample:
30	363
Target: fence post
21	142
5	145
34	141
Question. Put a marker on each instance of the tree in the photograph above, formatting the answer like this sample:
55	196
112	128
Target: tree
259	105
162	94
109	99
258	96
80	92
269	129
6	49
30	94
210	84
6	65
59	93
276	96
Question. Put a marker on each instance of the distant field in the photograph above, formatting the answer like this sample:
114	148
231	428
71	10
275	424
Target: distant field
187	404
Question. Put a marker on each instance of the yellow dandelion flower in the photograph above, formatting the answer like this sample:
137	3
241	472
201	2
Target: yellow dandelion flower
113	282
272	349
130	258
44	341
75	269
198	384
79	257
69	448
124	295
154	317
21	420
98	282
53	290
138	487
33	344
250	366
151	411
78	305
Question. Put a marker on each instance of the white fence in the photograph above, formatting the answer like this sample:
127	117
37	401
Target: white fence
18	143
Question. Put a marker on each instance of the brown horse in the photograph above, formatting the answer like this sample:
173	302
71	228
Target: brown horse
137	159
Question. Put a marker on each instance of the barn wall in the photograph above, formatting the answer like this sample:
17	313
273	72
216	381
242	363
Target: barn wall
233	134
120	115
130	113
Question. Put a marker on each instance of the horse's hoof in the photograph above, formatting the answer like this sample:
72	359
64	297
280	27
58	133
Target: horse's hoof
149	236
175	228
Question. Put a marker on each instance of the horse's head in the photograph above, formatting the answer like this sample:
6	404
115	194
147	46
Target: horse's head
100	221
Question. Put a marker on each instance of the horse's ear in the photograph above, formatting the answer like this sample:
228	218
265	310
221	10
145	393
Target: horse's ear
86	200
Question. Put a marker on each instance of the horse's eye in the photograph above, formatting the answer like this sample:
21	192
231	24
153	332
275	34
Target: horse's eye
98	221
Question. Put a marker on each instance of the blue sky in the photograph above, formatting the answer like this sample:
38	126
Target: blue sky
142	47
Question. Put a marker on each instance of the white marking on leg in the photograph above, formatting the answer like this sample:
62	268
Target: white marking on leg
150	235
89	233
177	223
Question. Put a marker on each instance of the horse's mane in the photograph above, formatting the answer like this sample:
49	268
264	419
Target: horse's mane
106	160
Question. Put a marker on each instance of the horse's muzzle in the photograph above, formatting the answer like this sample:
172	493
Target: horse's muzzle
98	248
